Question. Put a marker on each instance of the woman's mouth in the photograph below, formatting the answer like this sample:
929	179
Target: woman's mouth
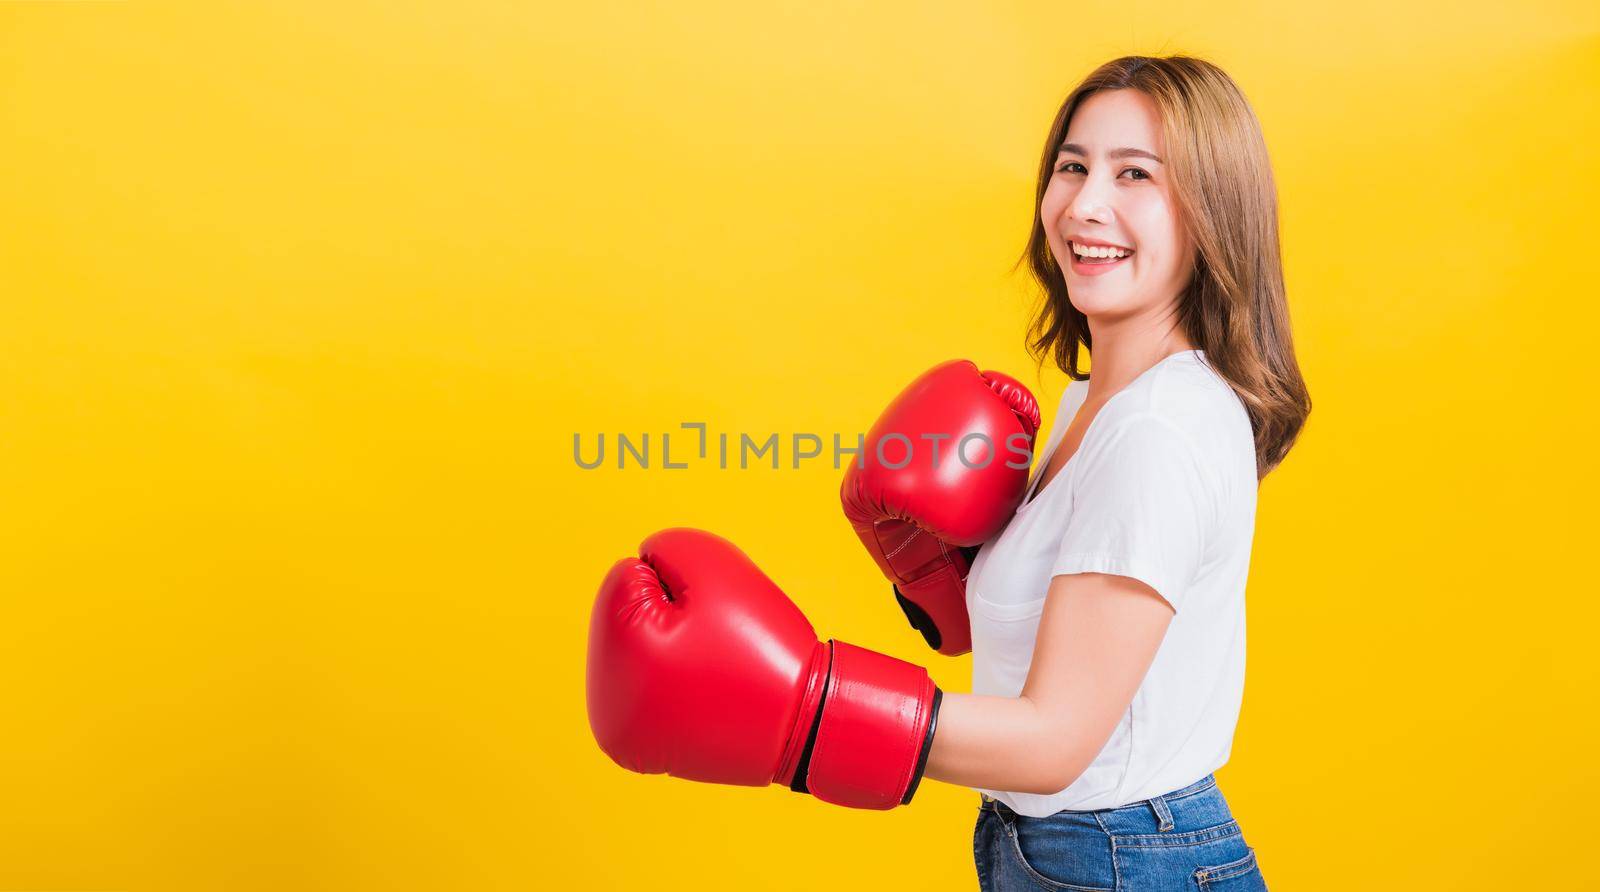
1096	260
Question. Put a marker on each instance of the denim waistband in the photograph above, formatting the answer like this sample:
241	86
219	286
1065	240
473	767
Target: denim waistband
1157	804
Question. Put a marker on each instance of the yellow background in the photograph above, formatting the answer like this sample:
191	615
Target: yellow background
301	306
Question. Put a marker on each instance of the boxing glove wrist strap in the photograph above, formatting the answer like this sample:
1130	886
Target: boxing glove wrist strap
867	743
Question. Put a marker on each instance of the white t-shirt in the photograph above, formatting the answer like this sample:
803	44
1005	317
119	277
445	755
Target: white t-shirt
1162	489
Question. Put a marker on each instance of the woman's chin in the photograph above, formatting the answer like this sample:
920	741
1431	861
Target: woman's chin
1087	302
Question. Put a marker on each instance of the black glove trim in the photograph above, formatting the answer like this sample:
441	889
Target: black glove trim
920	620
927	747
804	768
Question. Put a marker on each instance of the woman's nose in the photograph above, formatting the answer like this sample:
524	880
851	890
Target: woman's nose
1091	204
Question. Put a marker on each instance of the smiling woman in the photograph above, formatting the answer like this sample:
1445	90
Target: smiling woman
1107	616
1165	159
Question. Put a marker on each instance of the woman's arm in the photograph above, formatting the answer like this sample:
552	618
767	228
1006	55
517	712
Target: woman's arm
1097	638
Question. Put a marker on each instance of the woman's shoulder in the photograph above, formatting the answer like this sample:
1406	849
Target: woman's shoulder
1183	397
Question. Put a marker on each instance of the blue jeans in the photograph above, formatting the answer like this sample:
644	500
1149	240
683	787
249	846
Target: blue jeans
1186	839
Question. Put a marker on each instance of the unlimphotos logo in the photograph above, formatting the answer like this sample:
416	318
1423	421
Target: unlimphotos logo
891	450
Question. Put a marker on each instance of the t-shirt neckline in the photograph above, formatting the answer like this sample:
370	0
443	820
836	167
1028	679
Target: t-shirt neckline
1033	493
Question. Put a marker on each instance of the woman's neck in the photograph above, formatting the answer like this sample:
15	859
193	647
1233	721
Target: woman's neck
1123	354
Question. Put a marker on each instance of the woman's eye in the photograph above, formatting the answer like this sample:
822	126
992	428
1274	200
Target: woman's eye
1068	167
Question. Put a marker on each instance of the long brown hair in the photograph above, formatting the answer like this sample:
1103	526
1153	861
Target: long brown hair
1234	307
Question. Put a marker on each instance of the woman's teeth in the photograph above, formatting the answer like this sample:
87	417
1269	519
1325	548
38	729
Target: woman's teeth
1099	254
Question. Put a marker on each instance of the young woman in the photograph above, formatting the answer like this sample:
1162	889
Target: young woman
1108	617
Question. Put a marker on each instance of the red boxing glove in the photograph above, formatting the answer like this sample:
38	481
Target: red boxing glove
945	466
701	668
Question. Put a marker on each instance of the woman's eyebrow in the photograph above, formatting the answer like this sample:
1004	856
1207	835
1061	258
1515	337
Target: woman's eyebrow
1123	152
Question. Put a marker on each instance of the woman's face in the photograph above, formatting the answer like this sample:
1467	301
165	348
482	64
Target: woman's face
1111	188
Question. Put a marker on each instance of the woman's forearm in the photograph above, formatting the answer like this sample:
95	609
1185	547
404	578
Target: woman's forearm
1003	743
1097	638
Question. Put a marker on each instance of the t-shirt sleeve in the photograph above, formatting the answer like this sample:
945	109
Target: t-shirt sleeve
1141	509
